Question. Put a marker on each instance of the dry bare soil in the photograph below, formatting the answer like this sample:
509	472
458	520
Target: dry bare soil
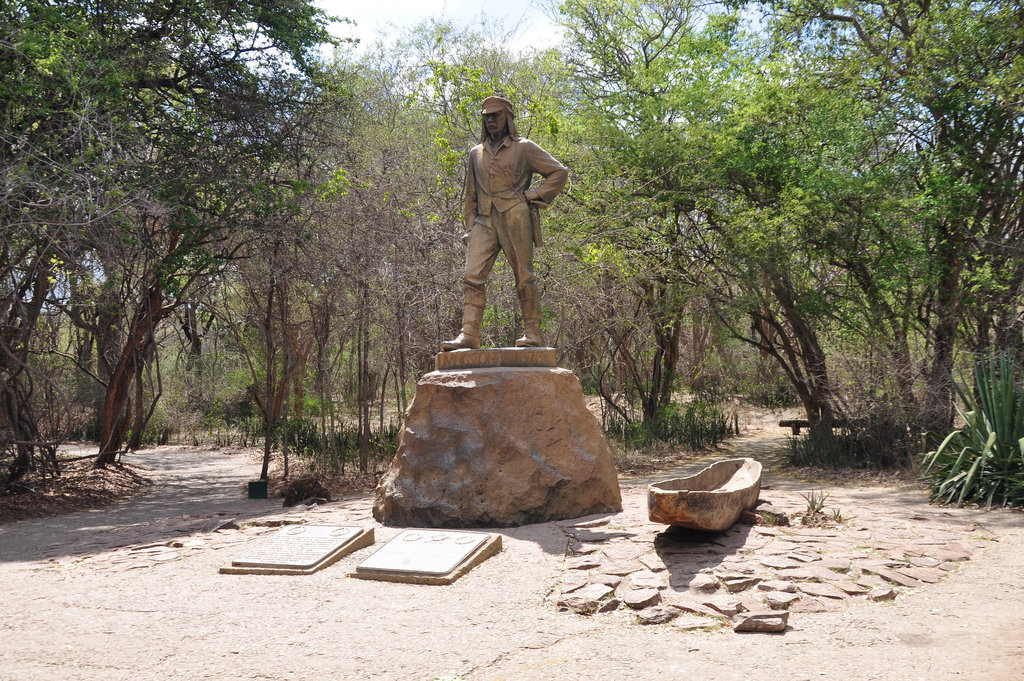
132	591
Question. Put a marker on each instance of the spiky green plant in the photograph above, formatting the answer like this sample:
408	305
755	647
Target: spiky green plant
816	501
983	462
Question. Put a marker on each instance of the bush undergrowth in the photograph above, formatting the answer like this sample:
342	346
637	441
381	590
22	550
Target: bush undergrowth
696	425
871	444
983	462
329	452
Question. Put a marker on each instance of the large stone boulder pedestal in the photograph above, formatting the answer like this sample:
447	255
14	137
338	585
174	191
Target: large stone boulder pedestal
497	447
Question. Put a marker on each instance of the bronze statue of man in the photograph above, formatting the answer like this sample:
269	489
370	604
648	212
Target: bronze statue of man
502	214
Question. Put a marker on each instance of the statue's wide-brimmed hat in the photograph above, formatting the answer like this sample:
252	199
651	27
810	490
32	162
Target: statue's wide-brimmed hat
495	103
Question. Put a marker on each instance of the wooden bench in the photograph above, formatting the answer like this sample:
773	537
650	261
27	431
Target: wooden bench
797	424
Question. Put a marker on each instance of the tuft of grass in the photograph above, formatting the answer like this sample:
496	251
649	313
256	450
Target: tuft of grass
815	513
815	501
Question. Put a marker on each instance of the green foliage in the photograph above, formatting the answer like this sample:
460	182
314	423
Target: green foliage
732	368
837	188
841	177
774	394
158	430
983	462
329	452
138	142
698	425
462	67
932	223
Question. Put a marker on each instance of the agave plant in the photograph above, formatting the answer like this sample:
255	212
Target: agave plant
983	462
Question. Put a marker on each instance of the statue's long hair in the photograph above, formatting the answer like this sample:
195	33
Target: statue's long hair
510	127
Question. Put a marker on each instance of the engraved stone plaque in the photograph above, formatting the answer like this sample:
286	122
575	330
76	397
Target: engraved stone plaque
299	549
424	552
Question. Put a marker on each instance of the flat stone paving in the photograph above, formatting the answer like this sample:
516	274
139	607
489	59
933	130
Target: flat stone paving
873	552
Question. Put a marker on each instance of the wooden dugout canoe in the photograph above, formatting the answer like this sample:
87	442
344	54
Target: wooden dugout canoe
712	499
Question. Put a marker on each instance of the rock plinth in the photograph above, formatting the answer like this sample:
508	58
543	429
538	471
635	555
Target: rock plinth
497	447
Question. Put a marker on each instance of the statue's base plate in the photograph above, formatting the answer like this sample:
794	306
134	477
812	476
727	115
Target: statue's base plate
495	357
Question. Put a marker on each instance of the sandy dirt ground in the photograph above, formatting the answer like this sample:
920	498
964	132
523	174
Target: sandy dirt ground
133	592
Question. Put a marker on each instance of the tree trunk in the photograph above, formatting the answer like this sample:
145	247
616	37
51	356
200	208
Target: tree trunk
402	376
140	342
653	393
810	354
700	337
667	329
399	396
670	343
938	402
20	434
282	305
364	392
383	394
268	346
139	417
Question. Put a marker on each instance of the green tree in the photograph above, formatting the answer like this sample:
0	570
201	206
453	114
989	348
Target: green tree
840	194
948	75
647	74
171	116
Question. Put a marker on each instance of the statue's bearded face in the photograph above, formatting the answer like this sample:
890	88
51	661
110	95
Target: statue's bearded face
495	122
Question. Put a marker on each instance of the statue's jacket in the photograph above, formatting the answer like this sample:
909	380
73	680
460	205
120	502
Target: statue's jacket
501	177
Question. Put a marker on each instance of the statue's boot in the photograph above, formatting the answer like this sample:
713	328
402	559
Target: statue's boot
472	315
531	317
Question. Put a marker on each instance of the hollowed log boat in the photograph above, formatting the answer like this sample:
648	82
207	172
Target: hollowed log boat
712	499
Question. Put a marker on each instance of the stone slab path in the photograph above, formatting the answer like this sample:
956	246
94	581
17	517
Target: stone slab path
899	590
862	551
